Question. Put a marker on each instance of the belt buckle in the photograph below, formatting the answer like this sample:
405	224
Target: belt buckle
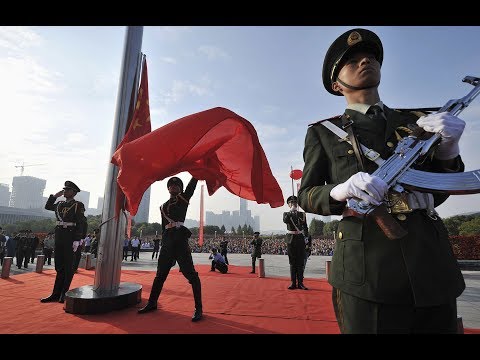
398	203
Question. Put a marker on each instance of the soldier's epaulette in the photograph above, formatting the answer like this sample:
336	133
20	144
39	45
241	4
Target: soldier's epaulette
419	111
336	117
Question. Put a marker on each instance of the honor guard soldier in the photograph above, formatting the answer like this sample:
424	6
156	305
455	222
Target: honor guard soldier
23	249
297	239
256	250
175	245
71	227
380	285
224	248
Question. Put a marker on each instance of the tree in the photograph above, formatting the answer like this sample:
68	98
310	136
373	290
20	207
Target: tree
249	230
316	227
222	229
471	227
239	230
330	227
233	230
453	223
245	229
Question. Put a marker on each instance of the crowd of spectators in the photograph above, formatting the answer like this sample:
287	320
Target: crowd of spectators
274	245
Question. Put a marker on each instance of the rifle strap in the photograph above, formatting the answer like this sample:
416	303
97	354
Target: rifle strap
347	125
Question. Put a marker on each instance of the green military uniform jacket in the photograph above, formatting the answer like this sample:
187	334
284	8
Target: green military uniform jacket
419	268
257	247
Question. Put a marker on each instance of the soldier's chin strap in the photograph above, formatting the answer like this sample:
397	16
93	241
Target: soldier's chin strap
355	87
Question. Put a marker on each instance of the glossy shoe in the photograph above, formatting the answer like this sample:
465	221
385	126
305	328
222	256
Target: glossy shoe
292	286
147	308
51	298
303	287
197	315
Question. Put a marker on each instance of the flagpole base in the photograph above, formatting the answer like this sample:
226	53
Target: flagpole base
86	300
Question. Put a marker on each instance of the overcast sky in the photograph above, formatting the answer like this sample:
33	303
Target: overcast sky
59	86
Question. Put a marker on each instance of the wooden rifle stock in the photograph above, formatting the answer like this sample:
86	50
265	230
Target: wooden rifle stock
392	229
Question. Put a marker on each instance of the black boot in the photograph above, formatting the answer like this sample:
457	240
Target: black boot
253	266
154	295
61	299
197	296
51	298
149	307
293	277
300	278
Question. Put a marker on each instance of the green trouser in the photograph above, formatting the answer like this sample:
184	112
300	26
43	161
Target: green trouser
360	316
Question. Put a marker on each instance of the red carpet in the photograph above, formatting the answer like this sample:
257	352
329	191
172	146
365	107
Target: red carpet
233	303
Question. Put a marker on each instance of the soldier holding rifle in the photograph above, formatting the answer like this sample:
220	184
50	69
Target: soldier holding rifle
408	284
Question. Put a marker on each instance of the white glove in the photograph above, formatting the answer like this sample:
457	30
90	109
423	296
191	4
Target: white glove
362	186
75	245
449	127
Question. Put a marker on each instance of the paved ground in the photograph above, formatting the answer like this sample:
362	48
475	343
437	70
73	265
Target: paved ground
277	265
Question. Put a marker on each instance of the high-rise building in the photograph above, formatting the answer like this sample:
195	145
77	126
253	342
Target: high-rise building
27	192
234	219
144	208
84	197
4	194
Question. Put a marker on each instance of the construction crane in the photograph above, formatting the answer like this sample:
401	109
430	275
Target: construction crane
23	166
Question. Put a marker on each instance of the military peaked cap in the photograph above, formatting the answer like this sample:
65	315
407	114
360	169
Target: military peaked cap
345	45
292	198
256	233
71	185
175	180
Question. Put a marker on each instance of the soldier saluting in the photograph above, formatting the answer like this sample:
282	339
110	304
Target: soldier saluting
71	228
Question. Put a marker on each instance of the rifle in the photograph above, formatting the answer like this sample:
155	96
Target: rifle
396	170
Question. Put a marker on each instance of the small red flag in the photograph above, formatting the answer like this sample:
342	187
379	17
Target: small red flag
296	174
214	145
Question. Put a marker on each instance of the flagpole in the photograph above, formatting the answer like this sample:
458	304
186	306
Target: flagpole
200	228
108	293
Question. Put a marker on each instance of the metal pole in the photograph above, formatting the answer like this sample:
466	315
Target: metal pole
109	261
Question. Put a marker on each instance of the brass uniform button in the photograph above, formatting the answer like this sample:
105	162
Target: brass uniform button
350	152
340	235
401	217
389	144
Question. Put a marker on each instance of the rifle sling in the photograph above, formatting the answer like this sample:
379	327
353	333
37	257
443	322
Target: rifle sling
347	125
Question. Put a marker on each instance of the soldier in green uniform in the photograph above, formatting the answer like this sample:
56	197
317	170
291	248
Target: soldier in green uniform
175	246
407	285
71	228
297	237
256	250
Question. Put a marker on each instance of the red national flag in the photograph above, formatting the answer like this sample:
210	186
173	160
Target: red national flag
139	125
214	145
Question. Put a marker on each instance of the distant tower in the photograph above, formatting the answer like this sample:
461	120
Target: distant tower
4	194
27	192
84	197
243	207
144	208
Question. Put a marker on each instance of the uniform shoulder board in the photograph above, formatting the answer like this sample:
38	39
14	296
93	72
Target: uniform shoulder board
336	117
419	111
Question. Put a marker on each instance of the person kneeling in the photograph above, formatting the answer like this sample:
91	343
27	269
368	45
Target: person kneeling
218	262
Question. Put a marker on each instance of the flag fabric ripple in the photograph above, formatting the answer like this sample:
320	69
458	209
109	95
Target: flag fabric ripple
214	145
